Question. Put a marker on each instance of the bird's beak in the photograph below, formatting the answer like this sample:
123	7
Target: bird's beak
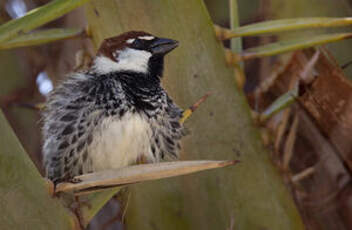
163	45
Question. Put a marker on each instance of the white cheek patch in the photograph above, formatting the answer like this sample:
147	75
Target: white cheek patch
146	37
128	60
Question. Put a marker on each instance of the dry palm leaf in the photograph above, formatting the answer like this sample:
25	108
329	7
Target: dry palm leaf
137	173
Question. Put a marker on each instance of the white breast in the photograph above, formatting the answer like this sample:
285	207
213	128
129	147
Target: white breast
120	142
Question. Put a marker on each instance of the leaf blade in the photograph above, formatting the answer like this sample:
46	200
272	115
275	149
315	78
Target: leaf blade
138	173
291	45
37	17
41	37
281	25
279	104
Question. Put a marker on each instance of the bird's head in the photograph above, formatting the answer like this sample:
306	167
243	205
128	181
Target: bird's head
134	51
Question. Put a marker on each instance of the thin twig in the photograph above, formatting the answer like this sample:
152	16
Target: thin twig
188	112
289	145
302	175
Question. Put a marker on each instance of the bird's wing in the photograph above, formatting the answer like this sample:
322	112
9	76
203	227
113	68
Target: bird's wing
69	119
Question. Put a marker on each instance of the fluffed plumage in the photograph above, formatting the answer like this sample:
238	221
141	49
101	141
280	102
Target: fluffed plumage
113	114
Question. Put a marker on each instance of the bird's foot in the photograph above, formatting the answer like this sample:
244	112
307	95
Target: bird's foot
50	186
75	180
142	159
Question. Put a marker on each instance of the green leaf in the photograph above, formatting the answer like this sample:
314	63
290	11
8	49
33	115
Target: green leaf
41	37
37	17
96	202
282	25
236	44
279	104
24	196
291	45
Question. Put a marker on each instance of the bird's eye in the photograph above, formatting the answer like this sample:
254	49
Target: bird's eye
138	44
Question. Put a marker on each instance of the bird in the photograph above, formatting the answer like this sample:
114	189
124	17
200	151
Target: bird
113	114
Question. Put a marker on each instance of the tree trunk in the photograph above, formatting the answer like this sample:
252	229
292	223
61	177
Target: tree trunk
248	196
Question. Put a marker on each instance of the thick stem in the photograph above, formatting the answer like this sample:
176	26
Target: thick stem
252	195
24	197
